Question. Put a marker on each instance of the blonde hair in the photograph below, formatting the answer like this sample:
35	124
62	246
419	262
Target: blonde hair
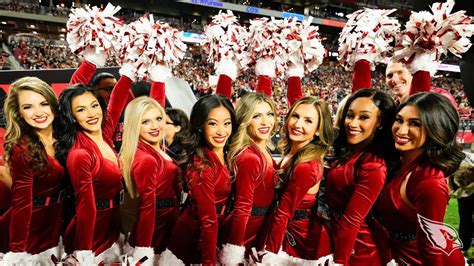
317	148
17	128
244	111
131	136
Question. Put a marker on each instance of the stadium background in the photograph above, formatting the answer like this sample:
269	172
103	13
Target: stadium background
33	43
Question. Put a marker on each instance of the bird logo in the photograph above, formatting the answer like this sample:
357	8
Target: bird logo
441	235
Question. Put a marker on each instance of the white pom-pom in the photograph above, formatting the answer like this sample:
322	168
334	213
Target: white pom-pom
304	46
160	73
265	67
226	39
435	33
232	254
268	40
93	27
227	67
368	32
168	258
147	43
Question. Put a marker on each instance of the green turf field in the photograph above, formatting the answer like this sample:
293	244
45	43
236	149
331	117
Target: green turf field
452	218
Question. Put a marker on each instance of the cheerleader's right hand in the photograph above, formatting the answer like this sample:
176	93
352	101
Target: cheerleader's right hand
98	58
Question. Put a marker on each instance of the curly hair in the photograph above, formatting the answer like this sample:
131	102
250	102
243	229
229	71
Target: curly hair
18	131
440	121
68	128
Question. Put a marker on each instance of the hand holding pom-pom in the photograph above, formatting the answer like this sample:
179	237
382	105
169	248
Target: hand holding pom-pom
428	36
93	28
367	36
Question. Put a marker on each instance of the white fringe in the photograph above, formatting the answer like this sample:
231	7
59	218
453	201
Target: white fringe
319	262
168	258
232	254
112	254
393	263
84	257
270	258
44	258
16	258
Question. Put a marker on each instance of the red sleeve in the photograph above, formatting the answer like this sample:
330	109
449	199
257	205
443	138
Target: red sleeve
264	85
294	92
224	86
84	73
303	178
362	76
80	167
421	82
248	172
144	172
22	201
369	182
158	92
430	200
118	100
204	194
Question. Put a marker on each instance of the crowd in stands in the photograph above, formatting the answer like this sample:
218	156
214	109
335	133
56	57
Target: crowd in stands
330	81
4	61
34	8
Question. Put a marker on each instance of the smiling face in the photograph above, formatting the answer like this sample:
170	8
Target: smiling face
262	123
361	121
398	79
303	124
217	128
35	109
87	112
151	126
408	131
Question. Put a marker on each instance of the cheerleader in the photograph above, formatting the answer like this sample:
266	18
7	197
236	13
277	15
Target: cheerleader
358	174
413	204
35	215
151	176
194	238
295	227
86	149
254	182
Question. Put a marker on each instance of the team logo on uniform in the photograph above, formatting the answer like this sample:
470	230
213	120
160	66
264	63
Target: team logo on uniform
441	235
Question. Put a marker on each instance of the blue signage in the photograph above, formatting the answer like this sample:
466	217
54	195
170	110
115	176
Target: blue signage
253	10
207	3
293	15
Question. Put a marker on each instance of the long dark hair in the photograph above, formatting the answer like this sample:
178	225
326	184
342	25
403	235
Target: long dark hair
199	115
382	143
67	126
440	121
181	138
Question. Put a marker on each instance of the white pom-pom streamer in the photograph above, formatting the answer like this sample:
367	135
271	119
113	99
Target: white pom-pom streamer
151	43
304	46
226	39
435	33
367	35
93	27
268	40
